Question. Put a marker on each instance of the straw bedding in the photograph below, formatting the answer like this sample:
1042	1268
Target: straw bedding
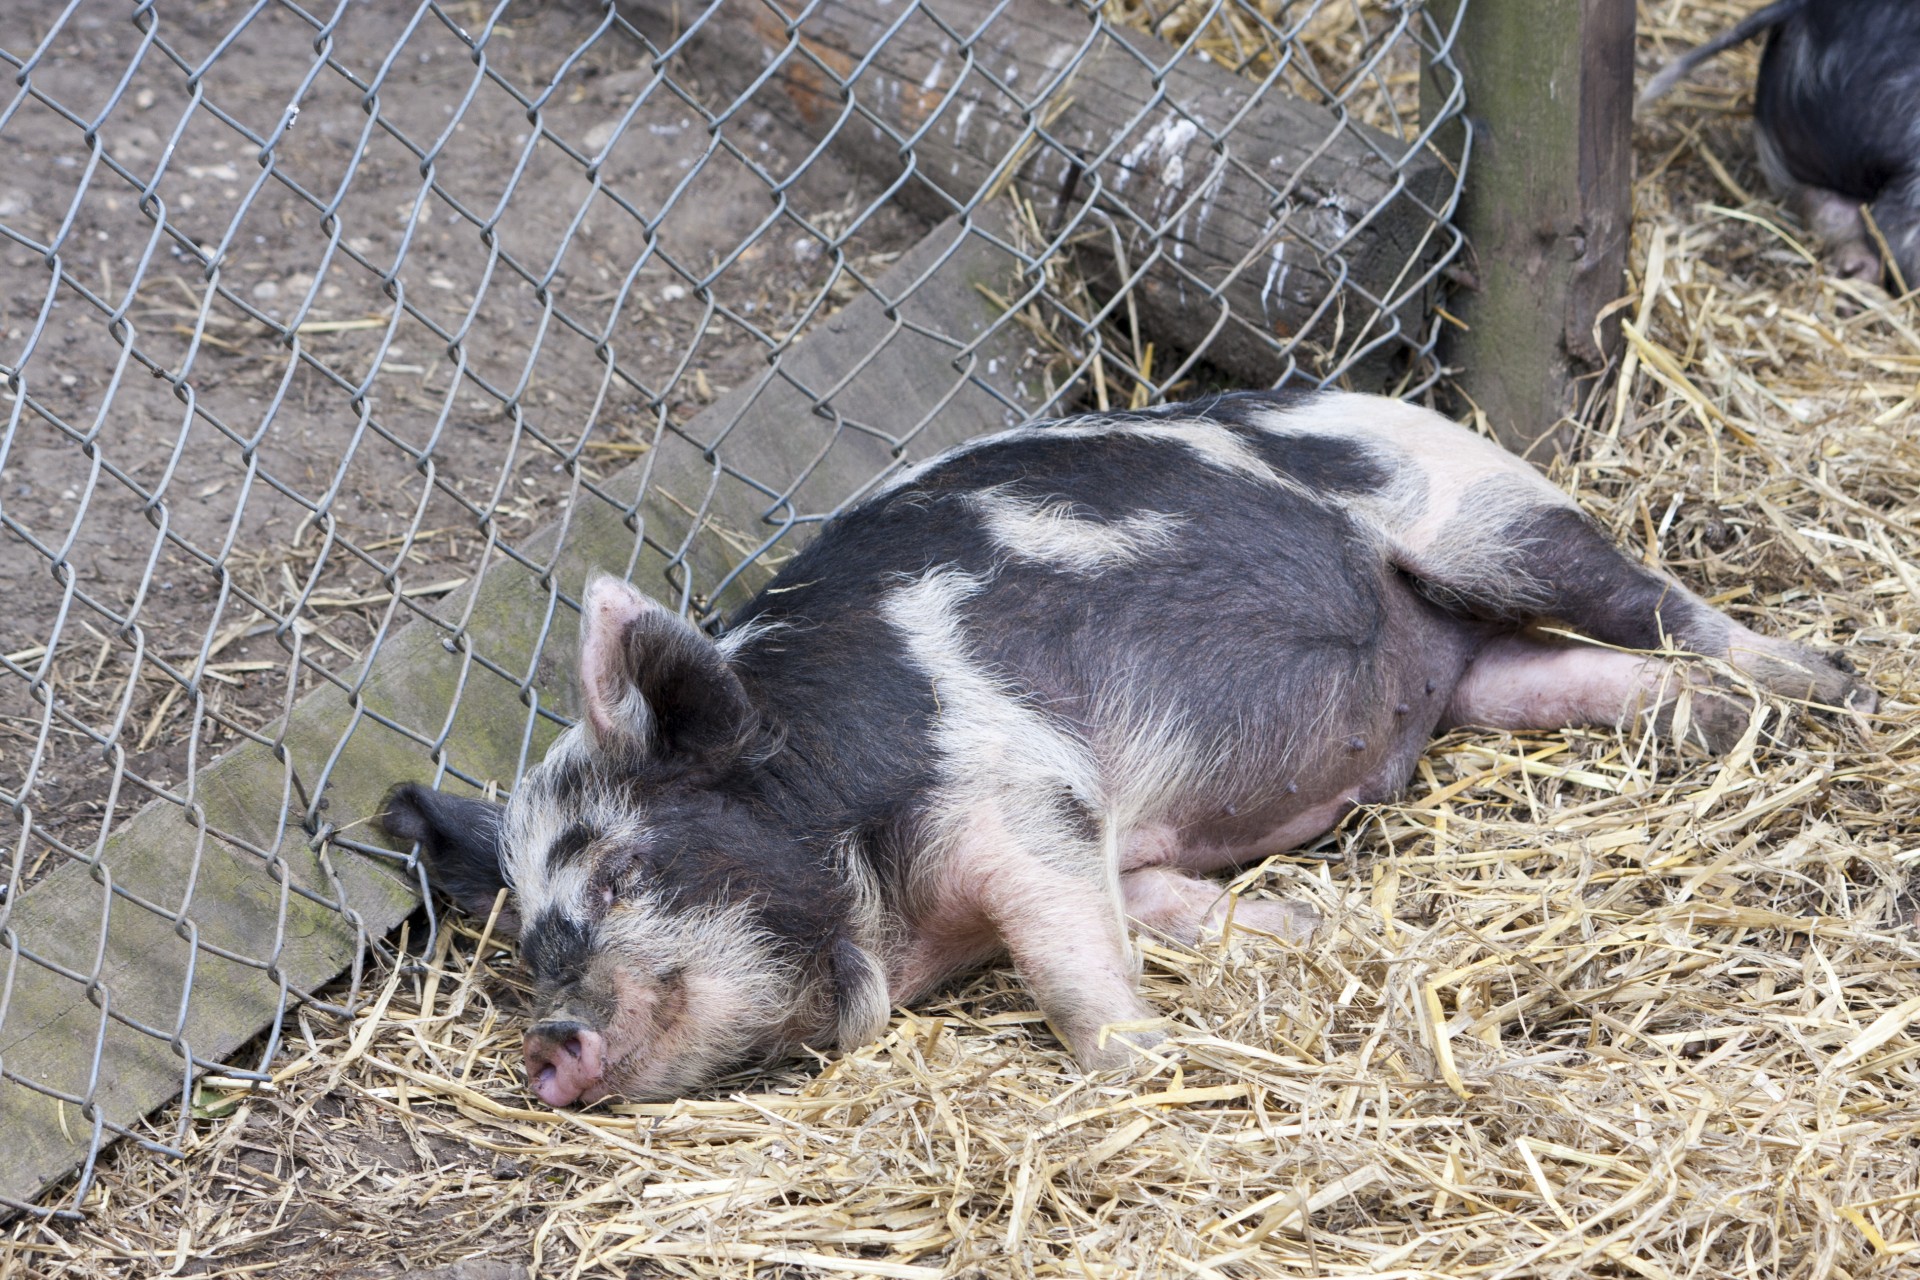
1583	1007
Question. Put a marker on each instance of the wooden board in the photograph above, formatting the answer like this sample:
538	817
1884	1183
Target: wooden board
222	873
1224	192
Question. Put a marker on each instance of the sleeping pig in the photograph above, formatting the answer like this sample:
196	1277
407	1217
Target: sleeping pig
1034	692
1837	121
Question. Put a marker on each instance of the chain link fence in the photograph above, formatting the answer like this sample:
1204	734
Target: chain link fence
340	343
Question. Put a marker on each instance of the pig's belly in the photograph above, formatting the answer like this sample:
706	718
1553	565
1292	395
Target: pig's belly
1226	841
1337	755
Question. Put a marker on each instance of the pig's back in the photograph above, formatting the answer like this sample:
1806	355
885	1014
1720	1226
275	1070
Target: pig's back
1175	605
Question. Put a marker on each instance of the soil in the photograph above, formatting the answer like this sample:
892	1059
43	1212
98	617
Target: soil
271	365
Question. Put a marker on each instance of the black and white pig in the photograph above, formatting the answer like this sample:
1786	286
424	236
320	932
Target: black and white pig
1837	121
1030	691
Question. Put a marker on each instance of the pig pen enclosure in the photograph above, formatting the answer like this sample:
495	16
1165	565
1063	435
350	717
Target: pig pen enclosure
340	344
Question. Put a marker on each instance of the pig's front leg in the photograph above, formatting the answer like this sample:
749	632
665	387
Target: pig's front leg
1187	908
1067	939
1841	231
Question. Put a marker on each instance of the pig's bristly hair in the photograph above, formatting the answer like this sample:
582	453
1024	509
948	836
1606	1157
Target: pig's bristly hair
861	995
999	746
739	981
653	685
1050	532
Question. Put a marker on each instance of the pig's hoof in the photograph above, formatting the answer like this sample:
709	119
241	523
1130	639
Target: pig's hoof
1829	680
1826	680
1707	716
1288	921
1855	260
1715	715
1859	696
1126	1047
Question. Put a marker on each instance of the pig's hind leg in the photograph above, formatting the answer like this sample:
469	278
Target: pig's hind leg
1549	562
1487	538
1529	682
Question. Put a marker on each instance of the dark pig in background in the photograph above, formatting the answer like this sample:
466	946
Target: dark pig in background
1837	121
1031	691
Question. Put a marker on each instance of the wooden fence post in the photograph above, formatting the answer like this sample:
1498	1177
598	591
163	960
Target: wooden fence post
1547	206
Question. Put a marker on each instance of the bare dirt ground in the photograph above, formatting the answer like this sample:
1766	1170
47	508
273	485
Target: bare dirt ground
1584	1009
391	359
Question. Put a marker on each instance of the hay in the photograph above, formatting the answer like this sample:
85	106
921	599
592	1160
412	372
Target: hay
1583	1008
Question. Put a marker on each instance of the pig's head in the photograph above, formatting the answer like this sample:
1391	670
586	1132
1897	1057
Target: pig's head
674	925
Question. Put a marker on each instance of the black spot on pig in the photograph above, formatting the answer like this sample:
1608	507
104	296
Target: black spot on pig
555	946
570	845
1837	89
1323	464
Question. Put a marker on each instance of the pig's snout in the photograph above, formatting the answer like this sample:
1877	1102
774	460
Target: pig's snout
564	1062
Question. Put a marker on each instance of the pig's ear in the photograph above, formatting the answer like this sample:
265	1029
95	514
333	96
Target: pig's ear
650	682
860	995
460	840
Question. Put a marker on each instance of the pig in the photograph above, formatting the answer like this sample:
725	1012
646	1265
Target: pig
1837	122
1036	690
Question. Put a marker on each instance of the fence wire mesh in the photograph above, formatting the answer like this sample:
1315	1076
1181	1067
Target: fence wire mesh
339	343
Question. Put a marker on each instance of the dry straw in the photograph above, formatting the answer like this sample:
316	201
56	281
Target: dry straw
1582	1007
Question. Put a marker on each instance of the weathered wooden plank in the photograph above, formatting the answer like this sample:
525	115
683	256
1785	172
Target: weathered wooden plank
1247	216
1547	206
218	864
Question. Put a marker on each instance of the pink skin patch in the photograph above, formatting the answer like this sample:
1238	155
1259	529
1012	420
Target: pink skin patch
564	1063
569	1062
1161	846
649	1035
610	608
662	1039
949	937
1062	931
1519	683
